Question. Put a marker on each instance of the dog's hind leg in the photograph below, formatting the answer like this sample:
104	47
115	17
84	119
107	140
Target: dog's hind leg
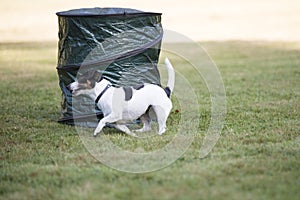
162	114
146	120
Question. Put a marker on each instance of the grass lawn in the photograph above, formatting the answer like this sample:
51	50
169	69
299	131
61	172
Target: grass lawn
257	156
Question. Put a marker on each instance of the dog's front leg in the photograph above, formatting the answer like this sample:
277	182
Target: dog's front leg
99	128
104	121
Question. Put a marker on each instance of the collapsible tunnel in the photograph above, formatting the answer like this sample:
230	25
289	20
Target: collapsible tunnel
124	44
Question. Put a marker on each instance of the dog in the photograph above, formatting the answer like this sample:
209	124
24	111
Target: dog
122	104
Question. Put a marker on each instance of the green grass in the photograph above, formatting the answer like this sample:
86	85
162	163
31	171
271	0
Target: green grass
257	156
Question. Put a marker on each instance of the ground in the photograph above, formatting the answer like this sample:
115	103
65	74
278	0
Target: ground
256	157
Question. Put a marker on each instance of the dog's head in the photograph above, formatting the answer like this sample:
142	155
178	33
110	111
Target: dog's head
85	83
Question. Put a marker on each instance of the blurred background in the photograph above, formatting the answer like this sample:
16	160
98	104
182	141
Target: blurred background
200	20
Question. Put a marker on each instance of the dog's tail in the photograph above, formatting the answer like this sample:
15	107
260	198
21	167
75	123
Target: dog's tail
171	78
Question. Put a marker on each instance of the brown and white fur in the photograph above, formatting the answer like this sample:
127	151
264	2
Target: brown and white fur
117	110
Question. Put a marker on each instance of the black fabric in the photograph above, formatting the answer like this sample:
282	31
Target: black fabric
122	44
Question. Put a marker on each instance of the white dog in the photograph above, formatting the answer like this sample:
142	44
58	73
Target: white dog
121	104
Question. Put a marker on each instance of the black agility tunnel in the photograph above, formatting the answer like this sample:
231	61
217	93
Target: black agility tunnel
124	44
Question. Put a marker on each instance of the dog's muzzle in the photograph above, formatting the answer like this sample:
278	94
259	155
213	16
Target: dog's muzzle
69	88
73	89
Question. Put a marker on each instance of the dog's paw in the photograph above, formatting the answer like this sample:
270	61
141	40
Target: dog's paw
132	134
128	132
161	131
141	130
96	133
98	130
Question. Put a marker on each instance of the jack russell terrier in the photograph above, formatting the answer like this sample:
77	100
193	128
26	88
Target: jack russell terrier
122	104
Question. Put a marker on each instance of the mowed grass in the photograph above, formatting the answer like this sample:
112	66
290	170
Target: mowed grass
257	156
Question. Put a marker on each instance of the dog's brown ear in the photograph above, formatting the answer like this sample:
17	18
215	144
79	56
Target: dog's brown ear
96	76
